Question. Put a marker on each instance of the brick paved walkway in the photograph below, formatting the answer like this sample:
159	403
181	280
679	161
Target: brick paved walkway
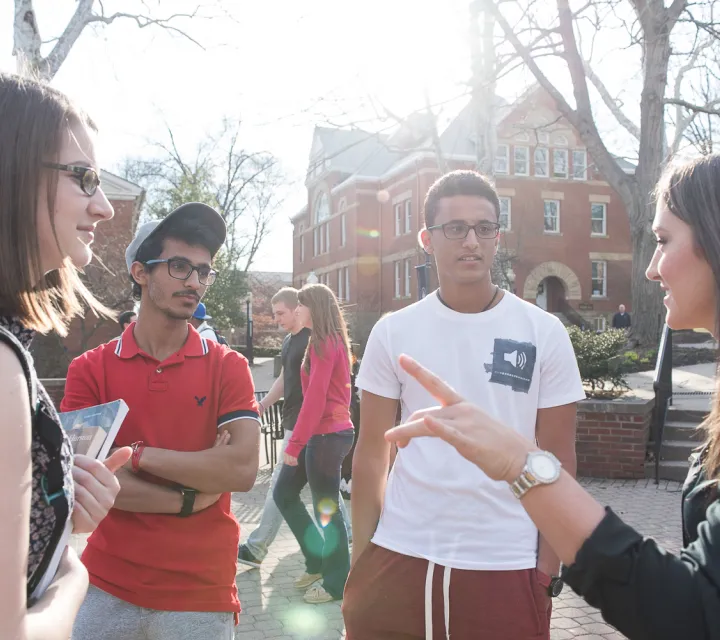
273	609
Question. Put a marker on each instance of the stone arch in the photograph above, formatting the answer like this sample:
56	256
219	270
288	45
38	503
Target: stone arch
562	272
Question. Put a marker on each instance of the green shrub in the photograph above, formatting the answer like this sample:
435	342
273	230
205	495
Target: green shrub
600	360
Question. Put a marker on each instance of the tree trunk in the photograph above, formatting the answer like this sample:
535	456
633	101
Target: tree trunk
648	311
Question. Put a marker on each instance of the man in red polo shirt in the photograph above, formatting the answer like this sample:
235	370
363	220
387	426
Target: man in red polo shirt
162	564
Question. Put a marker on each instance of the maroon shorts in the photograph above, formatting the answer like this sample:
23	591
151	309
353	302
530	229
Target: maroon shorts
386	595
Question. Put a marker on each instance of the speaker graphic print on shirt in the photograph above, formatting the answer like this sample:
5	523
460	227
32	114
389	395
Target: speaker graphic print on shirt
513	364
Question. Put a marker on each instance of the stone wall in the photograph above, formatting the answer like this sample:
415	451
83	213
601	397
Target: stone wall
612	437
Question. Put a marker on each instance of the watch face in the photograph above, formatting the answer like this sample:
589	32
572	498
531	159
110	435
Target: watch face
544	467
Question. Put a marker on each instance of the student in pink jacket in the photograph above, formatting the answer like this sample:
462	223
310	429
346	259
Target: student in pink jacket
322	437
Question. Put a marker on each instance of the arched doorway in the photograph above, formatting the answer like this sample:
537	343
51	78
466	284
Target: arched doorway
558	281
551	295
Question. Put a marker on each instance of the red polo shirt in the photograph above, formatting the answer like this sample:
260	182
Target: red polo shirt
161	561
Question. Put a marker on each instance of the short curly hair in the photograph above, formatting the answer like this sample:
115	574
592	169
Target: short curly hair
459	183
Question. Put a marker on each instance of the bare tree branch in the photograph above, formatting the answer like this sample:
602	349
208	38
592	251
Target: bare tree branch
697	108
611	103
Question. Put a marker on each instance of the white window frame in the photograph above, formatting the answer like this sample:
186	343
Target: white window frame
398	209
327	237
502	160
316	241
580	153
343	230
408	216
341	291
562	153
545	163
560	140
302	248
603	293
557	216
398	276
600	323
593	219
508	226
408	267
347	284
526	152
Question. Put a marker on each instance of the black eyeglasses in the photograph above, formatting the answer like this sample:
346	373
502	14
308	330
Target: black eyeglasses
181	270
459	230
87	176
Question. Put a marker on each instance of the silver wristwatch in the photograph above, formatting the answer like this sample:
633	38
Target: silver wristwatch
541	467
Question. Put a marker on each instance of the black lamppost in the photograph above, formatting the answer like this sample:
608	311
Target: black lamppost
249	331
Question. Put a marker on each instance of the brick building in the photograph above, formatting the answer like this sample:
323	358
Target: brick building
566	237
107	277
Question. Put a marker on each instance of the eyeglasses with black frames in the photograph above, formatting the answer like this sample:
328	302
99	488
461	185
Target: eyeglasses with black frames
87	176
459	230
181	269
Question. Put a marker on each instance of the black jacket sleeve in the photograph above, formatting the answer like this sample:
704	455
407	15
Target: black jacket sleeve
645	592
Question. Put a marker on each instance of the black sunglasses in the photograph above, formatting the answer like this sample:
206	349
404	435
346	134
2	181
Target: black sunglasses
87	176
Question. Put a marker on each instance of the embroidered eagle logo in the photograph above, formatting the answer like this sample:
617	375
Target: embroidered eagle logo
200	401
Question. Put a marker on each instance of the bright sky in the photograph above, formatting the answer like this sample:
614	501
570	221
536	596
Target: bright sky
282	65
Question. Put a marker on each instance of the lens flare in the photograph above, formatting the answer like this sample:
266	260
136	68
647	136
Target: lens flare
367	233
305	622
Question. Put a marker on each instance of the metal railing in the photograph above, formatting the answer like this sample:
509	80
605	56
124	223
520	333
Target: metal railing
662	385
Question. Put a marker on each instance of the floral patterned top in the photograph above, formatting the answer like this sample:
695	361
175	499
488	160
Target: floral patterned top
52	497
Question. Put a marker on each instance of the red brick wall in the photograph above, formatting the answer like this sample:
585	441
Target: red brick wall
612	438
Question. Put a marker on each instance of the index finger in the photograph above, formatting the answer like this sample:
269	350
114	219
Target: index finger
439	389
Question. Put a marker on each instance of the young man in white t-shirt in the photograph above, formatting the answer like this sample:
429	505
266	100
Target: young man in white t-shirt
440	550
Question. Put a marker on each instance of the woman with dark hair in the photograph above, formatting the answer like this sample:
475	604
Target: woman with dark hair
50	204
322	437
647	593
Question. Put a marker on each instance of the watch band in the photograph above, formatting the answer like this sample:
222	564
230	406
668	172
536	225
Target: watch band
188	502
523	484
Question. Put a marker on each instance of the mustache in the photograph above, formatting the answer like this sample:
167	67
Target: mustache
186	294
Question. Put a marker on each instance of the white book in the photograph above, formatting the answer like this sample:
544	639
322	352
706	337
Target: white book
92	432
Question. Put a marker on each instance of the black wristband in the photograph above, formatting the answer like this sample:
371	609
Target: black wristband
188	502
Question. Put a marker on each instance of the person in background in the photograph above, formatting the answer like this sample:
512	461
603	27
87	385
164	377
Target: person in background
200	319
621	320
162	564
288	386
125	319
641	589
50	204
321	439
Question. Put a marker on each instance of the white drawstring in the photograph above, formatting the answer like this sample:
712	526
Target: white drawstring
446	600
428	601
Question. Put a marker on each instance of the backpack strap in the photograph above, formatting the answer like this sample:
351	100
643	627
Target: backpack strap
28	369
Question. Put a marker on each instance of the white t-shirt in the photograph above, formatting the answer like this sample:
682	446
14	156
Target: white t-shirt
511	361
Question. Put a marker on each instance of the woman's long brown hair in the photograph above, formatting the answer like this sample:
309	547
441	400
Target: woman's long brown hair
35	118
327	320
692	193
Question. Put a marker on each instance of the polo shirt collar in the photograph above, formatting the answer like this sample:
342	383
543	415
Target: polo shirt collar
195	345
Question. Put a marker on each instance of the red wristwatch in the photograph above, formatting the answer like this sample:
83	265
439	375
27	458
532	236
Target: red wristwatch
137	451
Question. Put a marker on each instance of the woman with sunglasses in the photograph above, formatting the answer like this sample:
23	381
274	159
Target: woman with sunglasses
50	204
322	437
645	592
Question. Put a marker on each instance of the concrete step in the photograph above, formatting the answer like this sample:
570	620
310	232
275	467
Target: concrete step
683	431
677	450
669	470
692	416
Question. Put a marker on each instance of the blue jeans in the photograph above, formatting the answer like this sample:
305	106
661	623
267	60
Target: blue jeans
319	465
260	539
